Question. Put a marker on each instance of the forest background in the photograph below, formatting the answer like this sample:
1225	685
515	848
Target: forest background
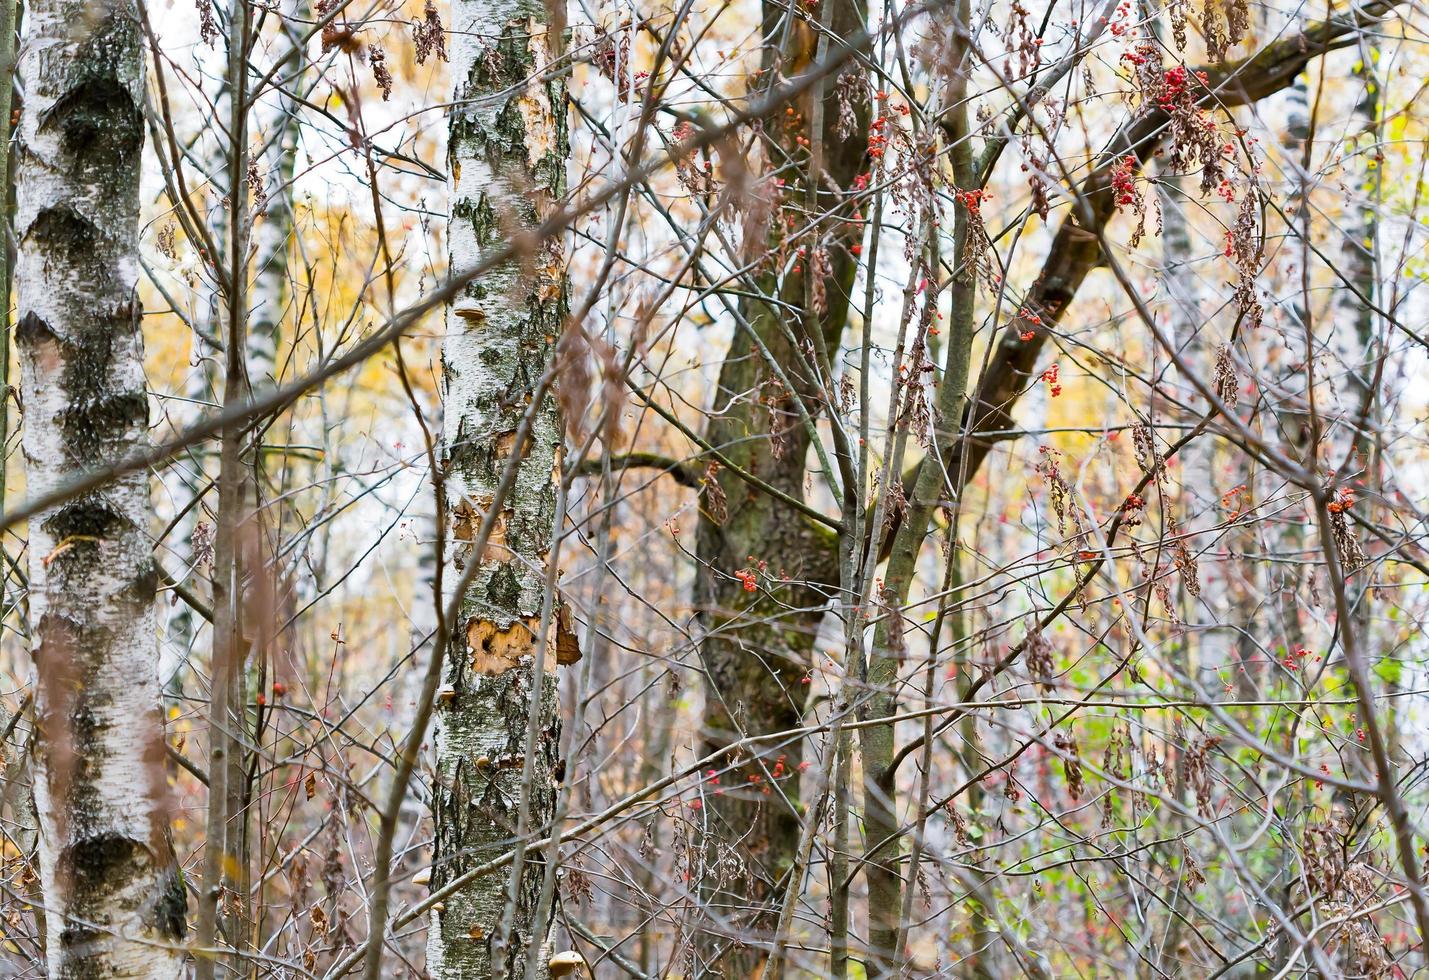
744	489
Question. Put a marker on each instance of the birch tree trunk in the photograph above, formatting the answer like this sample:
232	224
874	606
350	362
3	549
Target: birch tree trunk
1350	451
112	889
1352	335
272	237
203	392
506	159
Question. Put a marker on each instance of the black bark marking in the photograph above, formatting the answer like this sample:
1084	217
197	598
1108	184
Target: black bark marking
169	914
98	419
94	863
32	331
89	424
87	518
100	126
63	232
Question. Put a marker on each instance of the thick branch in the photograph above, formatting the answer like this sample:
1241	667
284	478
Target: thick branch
682	473
1075	251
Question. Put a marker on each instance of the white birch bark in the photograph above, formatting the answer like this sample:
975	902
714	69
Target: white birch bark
1351	450
1214	644
272	236
506	158
202	390
114	898
1352	323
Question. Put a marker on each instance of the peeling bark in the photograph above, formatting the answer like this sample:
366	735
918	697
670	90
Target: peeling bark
112	887
506	158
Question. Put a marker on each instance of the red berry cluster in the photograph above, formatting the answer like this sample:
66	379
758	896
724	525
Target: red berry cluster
1343	502
1118	24
972	200
1176	82
749	575
1132	509
882	96
1032	320
877	142
1123	184
1054	385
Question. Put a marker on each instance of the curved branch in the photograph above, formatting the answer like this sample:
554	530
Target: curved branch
683	474
1075	250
